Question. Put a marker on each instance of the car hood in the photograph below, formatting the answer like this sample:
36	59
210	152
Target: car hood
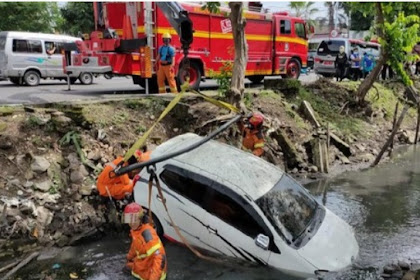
333	247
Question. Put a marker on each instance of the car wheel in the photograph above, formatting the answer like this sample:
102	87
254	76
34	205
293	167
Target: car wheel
86	78
194	73
32	78
293	69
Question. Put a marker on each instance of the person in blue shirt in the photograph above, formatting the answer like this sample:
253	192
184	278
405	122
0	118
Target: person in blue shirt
368	63
166	61
355	64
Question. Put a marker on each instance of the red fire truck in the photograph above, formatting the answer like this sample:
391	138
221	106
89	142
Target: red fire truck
277	42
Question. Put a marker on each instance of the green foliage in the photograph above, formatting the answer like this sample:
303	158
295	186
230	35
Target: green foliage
304	9
223	78
78	17
212	7
400	37
33	121
29	16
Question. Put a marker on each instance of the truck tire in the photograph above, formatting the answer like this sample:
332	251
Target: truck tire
293	69
86	78
195	76
256	79
32	78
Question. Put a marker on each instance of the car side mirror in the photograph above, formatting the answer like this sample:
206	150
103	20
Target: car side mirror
262	241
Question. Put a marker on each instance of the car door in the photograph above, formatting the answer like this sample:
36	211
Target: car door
234	225
184	190
54	63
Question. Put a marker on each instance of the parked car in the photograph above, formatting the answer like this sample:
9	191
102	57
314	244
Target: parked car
329	48
312	49
232	203
27	57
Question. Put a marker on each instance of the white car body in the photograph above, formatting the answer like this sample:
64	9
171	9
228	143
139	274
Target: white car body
21	52
216	173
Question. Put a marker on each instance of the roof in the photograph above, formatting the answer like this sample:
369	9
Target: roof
246	172
33	35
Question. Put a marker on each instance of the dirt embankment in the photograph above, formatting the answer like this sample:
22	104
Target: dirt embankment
47	192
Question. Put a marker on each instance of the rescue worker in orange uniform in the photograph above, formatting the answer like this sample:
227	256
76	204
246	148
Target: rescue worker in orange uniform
253	138
120	187
166	61
146	258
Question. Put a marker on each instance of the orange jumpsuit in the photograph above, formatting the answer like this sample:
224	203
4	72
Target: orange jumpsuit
146	258
166	72
117	186
253	140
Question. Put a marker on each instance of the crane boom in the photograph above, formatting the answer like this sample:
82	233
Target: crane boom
179	19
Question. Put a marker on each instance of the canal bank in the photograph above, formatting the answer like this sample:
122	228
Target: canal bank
380	203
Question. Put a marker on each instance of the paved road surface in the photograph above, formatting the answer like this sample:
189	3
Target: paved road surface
50	91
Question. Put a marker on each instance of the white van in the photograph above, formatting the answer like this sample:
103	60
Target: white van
26	57
235	204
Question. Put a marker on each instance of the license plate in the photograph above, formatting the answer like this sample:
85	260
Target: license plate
328	62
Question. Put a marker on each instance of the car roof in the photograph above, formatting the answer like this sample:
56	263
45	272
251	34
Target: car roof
244	171
34	35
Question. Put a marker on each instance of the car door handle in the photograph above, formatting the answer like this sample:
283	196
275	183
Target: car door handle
212	230
158	197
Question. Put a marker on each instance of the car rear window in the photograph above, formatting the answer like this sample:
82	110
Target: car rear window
330	47
2	43
313	46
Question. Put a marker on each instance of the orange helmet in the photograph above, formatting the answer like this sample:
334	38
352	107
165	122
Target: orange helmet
256	120
133	212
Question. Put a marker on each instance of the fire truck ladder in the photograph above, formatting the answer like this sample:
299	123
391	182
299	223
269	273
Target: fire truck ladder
150	35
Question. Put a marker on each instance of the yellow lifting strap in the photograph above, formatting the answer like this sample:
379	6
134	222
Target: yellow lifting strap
140	142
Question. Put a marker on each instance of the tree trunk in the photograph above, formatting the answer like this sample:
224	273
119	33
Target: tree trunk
390	139
237	86
331	15
368	82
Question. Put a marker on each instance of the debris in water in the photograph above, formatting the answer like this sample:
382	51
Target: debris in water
74	275
56	266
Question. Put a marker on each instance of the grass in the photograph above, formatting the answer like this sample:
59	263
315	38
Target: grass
6	110
328	113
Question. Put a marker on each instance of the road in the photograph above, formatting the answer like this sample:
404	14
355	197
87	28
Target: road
50	91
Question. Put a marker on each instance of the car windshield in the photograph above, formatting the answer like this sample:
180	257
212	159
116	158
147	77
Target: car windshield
289	207
331	47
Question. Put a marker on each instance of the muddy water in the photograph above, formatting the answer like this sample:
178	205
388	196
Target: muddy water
382	204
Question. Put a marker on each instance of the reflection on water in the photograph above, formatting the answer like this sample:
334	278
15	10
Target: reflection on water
382	204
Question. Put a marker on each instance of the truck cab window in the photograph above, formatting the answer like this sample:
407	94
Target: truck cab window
300	30
285	27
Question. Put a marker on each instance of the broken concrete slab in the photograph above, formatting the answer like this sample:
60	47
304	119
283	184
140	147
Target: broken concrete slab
340	144
292	157
309	113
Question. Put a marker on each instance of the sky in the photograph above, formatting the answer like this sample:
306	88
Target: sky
283	6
